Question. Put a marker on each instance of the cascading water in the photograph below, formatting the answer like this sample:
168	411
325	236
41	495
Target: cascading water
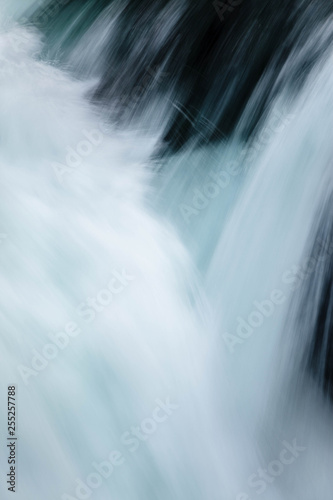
157	276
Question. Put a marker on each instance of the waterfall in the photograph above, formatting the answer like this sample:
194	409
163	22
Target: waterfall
166	273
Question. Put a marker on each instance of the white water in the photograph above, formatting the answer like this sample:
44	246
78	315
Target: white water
160	337
63	241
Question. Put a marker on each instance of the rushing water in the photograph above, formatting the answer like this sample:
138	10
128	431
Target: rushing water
206	249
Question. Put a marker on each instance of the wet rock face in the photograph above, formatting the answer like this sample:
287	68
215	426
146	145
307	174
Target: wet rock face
320	361
321	353
209	56
315	319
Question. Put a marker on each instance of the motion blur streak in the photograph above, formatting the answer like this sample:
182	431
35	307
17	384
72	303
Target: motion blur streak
154	141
